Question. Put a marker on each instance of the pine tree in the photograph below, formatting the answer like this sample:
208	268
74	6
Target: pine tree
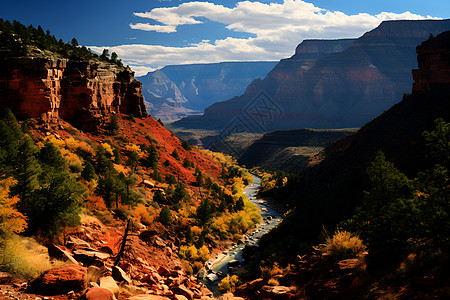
56	204
114	125
165	216
133	160
51	156
88	172
26	171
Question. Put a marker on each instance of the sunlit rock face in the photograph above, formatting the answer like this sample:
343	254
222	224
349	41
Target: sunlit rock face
85	93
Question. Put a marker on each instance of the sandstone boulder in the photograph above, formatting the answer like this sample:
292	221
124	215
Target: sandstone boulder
59	281
98	293
277	292
109	283
148	297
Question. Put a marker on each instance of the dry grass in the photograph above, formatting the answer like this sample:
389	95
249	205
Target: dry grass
343	245
25	258
268	273
273	282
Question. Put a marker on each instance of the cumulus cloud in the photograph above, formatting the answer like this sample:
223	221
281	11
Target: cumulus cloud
157	28
276	29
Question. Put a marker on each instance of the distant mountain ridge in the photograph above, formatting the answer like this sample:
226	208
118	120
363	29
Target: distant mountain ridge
178	91
342	89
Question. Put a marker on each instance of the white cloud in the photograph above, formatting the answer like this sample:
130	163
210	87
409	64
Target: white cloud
276	28
157	28
141	70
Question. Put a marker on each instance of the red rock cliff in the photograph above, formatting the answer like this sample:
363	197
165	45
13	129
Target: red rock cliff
84	93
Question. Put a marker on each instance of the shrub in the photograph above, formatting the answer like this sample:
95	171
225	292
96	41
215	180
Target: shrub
188	267
186	145
12	221
228	284
142	215
343	245
268	272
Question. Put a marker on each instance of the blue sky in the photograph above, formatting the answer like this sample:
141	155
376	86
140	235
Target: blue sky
148	34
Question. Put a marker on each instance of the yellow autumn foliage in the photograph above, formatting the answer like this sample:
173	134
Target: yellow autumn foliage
132	147
229	283
108	148
73	144
11	220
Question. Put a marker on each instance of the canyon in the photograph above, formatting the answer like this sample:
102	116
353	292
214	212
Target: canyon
346	86
177	91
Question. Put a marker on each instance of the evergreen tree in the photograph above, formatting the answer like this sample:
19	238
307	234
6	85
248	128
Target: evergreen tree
189	236
105	55
56	203
114	125
133	160
375	220
26	171
107	186
165	216
74	42
175	154
88	172
117	157
51	156
185	145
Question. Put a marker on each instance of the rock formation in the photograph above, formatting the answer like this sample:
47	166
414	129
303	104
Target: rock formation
290	150
344	87
84	93
329	192
177	91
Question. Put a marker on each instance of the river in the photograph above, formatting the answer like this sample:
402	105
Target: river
219	264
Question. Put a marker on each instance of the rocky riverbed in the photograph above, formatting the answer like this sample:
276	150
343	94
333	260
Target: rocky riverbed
231	260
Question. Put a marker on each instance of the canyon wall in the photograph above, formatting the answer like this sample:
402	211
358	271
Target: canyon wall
84	93
177	91
328	192
344	88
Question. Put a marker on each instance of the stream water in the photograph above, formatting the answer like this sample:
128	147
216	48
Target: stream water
218	266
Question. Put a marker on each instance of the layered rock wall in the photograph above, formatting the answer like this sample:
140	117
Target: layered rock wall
328	84
84	93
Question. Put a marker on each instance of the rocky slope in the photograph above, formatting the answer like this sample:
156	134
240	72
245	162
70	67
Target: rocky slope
178	91
289	151
84	93
340	90
329	192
